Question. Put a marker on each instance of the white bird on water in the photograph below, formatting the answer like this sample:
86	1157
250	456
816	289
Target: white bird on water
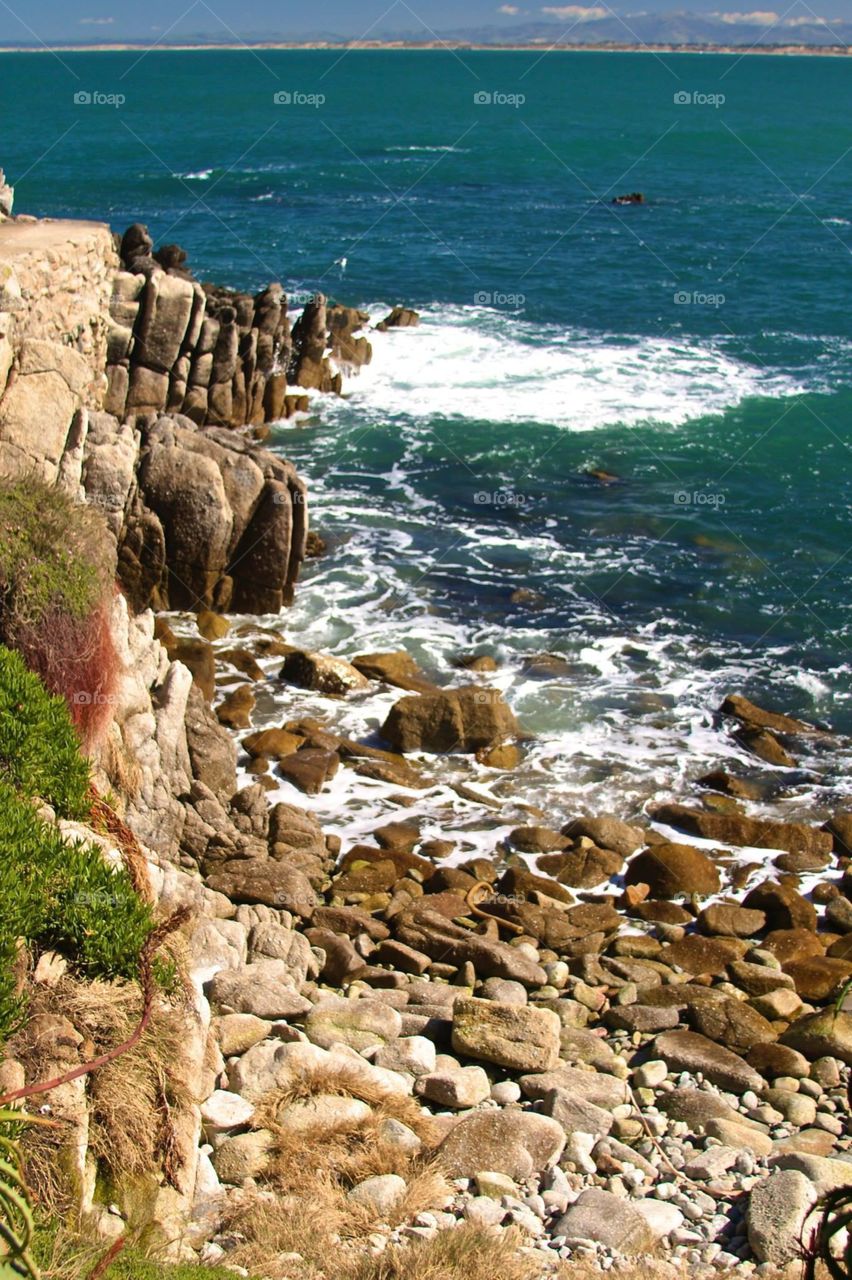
342	263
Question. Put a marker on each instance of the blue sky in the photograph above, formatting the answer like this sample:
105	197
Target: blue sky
55	20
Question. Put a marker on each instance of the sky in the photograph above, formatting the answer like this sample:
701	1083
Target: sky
108	20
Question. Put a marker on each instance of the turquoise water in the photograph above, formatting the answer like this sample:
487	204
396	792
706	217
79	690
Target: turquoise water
697	347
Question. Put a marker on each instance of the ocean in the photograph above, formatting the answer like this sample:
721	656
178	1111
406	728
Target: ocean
695	348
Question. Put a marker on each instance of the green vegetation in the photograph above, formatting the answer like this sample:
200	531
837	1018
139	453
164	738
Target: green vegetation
62	896
39	750
62	1257
51	555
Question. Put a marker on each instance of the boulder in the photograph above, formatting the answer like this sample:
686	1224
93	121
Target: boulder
742	709
777	1211
674	871
827	1034
726	919
380	1194
360	1024
397	668
783	907
608	1220
731	1023
599	1089
577	1116
736	829
457	1087
399	318
689	1051
518	1144
246	1155
267	881
265	989
607	832
454	720
520	1038
322	673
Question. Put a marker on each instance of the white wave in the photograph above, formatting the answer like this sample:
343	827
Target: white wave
462	151
473	362
200	175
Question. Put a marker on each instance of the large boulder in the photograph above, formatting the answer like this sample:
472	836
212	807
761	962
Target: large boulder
674	871
453	720
519	1037
827	1033
607	832
736	829
689	1051
518	1144
605	1218
778	1208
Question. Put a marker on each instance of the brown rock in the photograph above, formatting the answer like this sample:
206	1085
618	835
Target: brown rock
742	709
607	832
819	977
212	626
725	919
840	829
398	669
537	839
199	657
790	945
740	788
774	1060
827	1034
673	871
274	744
584	868
783	906
454	720
689	1051
695	954
735	829
518	1144
322	673
236	707
763	744
309	769
266	881
731	1023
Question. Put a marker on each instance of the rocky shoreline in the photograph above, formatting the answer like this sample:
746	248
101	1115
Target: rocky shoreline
610	1038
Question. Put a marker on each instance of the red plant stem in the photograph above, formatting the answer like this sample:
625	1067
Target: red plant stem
152	943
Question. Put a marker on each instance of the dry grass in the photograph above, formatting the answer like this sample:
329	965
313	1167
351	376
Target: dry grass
462	1253
133	1102
304	1207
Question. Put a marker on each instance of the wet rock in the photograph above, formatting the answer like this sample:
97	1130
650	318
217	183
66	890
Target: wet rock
763	744
234	711
455	720
518	1144
840	829
322	673
398	669
537	839
399	318
742	709
735	829
521	1038
309	769
607	832
689	1051
585	867
272	744
674	871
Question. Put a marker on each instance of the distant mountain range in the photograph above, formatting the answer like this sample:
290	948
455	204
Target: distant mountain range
571	24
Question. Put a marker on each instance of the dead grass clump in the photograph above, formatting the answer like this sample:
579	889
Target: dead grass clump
134	1102
465	1252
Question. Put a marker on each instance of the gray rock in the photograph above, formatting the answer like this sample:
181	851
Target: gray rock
777	1212
460	1089
265	989
361	1024
380	1194
575	1115
589	1086
515	1143
600	1216
244	1156
688	1051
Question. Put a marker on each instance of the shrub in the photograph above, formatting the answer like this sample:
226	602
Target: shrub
57	570
39	751
63	896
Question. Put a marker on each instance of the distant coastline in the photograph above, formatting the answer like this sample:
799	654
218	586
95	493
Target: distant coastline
431	46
